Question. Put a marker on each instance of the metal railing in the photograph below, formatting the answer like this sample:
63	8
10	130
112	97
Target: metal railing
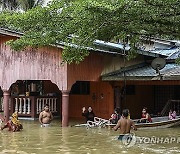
171	104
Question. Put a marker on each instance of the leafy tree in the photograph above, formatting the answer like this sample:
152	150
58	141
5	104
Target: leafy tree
79	22
29	4
15	5
8	4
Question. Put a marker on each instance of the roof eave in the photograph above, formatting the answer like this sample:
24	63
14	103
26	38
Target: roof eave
8	32
129	78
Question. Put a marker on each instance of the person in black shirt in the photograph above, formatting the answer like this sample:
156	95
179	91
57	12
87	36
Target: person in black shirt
89	115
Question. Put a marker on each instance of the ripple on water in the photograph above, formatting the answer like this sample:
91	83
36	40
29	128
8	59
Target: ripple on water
149	148
21	152
7	151
34	139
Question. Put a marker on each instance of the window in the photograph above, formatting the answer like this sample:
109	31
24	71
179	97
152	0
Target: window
81	88
130	90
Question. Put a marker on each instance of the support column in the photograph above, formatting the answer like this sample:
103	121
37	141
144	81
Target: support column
117	97
6	97
65	108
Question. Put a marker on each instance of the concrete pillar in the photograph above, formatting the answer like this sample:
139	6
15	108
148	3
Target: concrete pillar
65	108
6	97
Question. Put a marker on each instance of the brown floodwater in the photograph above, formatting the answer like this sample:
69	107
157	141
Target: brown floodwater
34	139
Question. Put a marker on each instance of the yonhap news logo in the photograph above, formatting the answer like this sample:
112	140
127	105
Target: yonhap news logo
130	140
157	140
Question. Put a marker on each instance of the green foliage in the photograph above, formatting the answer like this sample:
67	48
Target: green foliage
17	5
80	22
71	54
177	61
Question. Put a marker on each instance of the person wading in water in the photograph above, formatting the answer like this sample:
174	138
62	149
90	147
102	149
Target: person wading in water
124	124
13	124
45	117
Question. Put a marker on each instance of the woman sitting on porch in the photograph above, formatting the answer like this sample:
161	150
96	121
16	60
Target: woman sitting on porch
13	124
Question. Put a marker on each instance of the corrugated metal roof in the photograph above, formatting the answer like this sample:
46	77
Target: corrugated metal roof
174	55
5	31
153	53
172	71
117	47
143	73
165	52
89	48
9	32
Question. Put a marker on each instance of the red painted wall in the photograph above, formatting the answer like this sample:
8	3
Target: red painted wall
144	97
103	107
88	70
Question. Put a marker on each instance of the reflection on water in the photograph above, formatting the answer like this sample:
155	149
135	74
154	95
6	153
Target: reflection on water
34	139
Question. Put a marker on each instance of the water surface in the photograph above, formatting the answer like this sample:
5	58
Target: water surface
36	140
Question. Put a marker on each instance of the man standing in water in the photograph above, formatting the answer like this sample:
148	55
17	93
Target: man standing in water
124	124
45	117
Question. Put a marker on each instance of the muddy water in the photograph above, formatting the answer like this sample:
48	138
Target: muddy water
34	139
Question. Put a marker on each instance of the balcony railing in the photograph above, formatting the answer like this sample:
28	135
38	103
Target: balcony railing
173	105
31	106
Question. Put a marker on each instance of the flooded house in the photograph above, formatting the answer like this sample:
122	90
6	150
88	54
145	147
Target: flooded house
31	78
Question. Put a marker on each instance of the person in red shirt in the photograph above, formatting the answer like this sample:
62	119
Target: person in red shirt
145	116
115	116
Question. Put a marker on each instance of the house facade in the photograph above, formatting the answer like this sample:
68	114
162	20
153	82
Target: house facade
32	68
139	85
35	77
